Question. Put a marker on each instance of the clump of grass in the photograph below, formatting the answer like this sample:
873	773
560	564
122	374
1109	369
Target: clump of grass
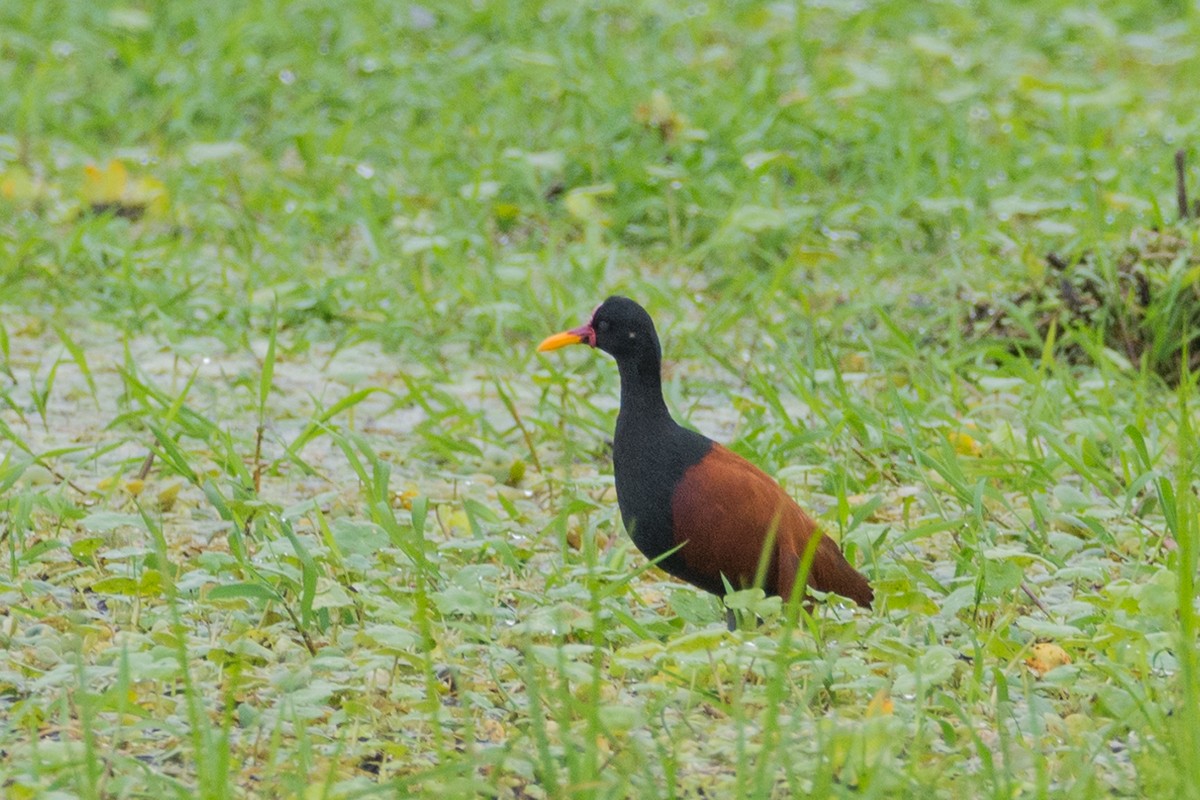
1142	300
1139	298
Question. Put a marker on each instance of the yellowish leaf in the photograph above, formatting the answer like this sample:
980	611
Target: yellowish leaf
110	189
458	520
151	193
881	704
167	497
404	498
1045	656
17	185
574	539
965	444
582	203
105	185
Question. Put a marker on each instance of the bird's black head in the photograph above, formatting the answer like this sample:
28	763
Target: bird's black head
619	327
624	329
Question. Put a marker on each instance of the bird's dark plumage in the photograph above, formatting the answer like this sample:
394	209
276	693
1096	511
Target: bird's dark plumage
677	487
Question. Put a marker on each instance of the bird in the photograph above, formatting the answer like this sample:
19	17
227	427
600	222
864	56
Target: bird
680	491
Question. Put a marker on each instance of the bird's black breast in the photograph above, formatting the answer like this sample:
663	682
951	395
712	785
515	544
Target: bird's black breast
648	463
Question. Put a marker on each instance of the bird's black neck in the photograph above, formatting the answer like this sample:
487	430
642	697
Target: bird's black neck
641	393
651	454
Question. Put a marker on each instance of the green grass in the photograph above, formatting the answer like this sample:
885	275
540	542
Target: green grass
290	507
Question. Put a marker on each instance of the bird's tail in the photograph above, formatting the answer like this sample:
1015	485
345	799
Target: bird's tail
846	581
831	572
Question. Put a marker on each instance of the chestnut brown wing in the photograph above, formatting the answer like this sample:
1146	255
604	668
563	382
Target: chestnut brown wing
724	509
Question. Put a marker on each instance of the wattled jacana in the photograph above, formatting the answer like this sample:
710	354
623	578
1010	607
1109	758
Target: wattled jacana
676	487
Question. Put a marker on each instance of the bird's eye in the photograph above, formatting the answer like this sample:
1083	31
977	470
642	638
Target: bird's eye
602	325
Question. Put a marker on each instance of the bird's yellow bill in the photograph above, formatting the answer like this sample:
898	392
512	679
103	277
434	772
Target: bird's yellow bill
559	340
